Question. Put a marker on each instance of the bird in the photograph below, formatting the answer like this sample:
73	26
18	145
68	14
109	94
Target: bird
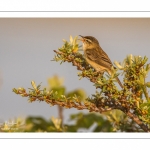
96	57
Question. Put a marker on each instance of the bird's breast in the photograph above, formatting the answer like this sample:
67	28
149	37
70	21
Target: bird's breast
95	65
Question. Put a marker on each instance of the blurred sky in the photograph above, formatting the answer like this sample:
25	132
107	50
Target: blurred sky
26	51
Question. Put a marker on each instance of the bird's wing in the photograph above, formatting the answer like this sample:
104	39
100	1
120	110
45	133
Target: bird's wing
99	57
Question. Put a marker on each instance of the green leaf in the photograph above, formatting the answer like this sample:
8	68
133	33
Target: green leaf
118	65
71	39
148	84
15	90
33	85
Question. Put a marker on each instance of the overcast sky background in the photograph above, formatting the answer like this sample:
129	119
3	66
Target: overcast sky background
26	48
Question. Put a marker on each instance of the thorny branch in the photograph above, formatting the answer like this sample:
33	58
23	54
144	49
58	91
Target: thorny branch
80	67
101	107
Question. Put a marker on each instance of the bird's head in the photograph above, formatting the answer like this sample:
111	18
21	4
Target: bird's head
89	41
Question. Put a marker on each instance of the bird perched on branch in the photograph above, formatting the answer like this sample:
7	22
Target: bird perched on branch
96	57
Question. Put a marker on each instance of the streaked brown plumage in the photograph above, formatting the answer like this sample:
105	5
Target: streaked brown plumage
95	55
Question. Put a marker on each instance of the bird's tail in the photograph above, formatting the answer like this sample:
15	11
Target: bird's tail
119	82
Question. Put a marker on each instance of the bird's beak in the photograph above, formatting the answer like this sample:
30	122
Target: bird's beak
82	39
81	36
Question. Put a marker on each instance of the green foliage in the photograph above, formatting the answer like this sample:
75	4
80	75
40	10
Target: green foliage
39	124
132	100
55	84
82	121
112	121
85	121
68	48
121	122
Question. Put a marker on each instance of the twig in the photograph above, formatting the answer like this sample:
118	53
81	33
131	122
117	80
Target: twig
138	121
